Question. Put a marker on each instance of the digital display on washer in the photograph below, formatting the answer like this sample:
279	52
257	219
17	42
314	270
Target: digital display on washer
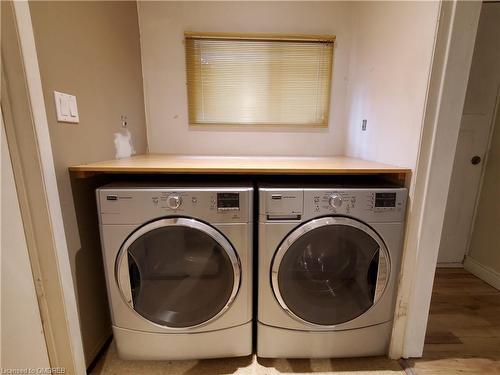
228	201
385	199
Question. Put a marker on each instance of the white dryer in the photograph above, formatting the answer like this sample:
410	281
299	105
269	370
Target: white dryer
329	259
178	263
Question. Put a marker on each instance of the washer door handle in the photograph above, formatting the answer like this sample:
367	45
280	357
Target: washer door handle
124	281
382	276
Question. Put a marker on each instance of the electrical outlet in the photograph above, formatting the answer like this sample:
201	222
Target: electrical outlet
124	121
363	125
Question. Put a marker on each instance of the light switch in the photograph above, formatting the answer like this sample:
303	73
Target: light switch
66	107
73	110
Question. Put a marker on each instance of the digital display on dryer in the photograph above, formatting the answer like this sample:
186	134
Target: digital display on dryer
228	201
385	199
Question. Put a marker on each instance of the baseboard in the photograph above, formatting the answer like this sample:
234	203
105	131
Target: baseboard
486	274
450	265
98	358
91	354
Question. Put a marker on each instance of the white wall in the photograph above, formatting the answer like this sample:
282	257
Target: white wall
22	343
162	26
389	73
381	68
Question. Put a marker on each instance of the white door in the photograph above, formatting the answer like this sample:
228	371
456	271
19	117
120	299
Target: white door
475	133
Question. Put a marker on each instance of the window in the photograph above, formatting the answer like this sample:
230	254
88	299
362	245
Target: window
264	80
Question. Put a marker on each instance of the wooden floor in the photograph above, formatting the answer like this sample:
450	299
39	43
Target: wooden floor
463	333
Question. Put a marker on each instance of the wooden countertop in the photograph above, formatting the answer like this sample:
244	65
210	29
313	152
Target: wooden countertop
163	163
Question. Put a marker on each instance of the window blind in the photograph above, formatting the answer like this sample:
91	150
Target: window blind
258	81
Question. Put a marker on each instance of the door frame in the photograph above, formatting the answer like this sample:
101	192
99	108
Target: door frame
452	58
36	187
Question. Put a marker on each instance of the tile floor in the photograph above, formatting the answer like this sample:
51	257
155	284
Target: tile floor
112	365
463	337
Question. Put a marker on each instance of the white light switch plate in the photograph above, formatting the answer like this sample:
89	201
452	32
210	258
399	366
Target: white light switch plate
66	108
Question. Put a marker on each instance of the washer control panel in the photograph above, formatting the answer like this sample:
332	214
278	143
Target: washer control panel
174	201
335	200
217	205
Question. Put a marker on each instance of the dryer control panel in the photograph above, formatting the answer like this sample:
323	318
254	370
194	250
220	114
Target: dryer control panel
376	205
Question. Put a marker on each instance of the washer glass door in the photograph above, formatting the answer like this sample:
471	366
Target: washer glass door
330	270
178	272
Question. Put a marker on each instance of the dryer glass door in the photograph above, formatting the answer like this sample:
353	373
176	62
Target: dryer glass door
330	271
178	272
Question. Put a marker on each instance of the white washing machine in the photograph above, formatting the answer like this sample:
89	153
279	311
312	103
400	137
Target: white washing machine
178	263
328	267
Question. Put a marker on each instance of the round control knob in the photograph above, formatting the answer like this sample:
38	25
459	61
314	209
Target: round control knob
335	201
174	201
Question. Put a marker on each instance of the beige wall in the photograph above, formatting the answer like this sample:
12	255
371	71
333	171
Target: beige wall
388	78
485	71
91	50
162	26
